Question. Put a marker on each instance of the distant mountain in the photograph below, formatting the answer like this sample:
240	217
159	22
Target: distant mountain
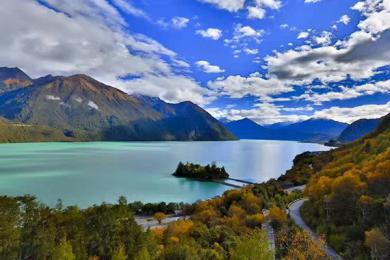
13	78
358	129
312	130
324	127
80	103
248	129
278	125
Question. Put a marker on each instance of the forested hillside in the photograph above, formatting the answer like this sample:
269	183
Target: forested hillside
349	194
17	132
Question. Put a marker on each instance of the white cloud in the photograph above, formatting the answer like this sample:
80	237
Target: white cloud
358	56
284	26
229	5
242	35
344	19
347	92
349	115
324	39
129	8
312	1
255	12
212	33
205	66
87	37
303	35
251	51
180	22
273	4
172	88
238	86
247	31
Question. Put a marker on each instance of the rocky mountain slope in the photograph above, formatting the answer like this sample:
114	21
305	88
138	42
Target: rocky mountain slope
80	103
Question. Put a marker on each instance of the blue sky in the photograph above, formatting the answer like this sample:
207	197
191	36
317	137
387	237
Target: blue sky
269	60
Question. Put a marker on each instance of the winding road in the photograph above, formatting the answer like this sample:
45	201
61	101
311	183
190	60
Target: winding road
295	214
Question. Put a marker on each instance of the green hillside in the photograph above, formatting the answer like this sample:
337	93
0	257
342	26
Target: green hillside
17	132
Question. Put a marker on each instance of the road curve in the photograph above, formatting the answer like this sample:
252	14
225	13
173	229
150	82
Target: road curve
295	214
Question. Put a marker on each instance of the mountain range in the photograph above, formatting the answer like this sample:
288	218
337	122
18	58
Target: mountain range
84	108
312	130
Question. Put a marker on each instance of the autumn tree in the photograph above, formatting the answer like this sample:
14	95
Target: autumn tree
159	216
346	189
278	217
303	247
377	242
252	246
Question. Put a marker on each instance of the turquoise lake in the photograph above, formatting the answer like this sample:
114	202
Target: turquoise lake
87	173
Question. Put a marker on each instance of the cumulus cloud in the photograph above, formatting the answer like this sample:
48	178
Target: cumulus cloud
242	36
324	39
229	5
303	35
88	37
344	19
312	1
345	93
255	12
212	33
358	56
238	86
172	88
251	51
256	8
180	22
349	115
206	67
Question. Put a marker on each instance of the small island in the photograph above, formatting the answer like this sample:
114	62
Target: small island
196	171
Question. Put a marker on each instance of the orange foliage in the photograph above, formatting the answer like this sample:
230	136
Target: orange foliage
180	227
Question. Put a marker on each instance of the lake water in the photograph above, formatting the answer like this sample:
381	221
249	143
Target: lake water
87	173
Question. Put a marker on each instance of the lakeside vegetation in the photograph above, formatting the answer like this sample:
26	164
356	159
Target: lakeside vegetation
196	171
348	190
226	227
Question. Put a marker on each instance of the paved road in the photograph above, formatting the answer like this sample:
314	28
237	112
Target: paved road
297	218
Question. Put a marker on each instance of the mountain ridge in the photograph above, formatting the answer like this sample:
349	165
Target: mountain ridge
81	103
312	130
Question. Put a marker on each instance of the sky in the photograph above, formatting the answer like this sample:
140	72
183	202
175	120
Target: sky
268	60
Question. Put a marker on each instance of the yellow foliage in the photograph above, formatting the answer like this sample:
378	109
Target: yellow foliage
158	232
159	216
180	227
174	239
278	216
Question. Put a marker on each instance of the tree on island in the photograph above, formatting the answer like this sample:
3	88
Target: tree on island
196	171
